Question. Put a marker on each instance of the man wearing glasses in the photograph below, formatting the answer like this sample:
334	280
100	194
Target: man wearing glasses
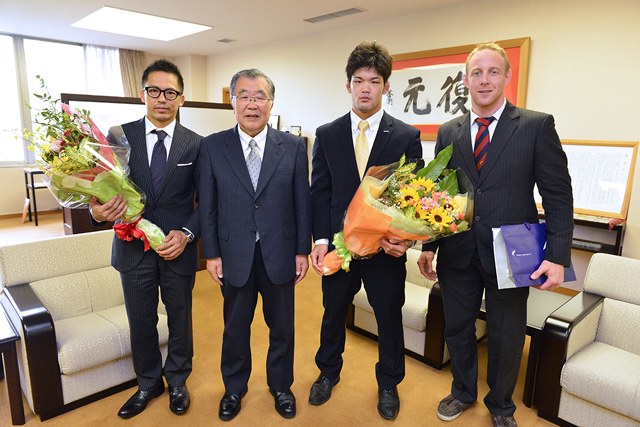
255	212
162	163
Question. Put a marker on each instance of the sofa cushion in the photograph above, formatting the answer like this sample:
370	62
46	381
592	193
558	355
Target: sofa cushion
64	296
414	310
55	257
606	376
620	325
96	338
105	288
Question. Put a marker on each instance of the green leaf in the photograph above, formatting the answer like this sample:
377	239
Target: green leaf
436	166
450	184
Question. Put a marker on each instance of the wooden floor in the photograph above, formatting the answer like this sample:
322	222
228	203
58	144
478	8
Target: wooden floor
354	399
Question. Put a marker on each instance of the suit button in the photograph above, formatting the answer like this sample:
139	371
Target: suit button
477	218
256	206
479	191
253	231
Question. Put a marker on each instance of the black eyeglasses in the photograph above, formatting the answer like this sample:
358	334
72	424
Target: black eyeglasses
169	94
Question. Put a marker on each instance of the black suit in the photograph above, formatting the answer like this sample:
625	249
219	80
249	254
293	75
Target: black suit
334	181
231	213
524	150
142	273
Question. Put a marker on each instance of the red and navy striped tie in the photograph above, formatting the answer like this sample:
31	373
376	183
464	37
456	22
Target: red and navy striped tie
482	140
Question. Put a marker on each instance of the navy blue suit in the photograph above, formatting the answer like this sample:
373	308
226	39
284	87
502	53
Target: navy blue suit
334	181
231	213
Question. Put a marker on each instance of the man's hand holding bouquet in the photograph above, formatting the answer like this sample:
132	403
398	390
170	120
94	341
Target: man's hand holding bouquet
402	202
80	164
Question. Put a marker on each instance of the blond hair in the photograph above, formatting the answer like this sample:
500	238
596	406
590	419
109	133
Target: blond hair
489	46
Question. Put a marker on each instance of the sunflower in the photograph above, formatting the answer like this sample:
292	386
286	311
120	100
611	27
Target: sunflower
451	205
438	218
427	184
421	212
408	196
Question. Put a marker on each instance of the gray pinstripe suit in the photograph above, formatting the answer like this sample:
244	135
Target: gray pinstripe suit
143	273
525	150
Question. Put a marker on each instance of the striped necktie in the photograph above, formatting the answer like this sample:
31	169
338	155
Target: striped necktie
362	148
482	140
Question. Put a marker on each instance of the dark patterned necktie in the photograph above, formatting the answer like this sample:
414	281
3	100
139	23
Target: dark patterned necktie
158	160
482	140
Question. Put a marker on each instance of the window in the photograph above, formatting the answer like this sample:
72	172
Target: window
60	65
10	148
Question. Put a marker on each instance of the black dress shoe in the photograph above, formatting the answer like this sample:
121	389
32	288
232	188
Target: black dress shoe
285	403
321	390
230	405
388	403
138	402
179	399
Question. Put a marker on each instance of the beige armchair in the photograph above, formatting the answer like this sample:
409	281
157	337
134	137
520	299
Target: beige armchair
422	317
66	301
589	363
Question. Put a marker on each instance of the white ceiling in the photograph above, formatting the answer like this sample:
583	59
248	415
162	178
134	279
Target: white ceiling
251	22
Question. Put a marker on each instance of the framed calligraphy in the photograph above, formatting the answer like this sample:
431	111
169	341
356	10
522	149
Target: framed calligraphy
601	176
427	89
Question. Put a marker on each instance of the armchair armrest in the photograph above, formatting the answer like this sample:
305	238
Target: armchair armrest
554	345
40	343
434	336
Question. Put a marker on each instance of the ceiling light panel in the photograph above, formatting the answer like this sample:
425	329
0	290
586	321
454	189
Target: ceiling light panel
119	21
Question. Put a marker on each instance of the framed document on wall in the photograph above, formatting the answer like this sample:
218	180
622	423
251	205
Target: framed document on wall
601	176
427	88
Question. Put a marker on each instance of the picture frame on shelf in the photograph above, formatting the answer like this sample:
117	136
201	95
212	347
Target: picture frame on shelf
296	130
274	121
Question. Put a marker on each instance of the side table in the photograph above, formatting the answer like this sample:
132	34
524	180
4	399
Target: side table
29	184
8	338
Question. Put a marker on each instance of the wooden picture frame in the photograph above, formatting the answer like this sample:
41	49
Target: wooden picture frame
440	61
601	176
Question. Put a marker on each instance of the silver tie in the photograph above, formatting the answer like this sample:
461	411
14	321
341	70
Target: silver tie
254	163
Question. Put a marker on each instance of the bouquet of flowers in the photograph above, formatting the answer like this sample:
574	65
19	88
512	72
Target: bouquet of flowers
398	202
80	163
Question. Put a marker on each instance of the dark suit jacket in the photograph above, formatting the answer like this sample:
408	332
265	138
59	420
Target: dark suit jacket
279	209
525	150
335	178
173	207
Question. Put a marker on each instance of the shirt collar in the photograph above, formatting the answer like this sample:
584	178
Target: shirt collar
169	129
374	121
260	139
495	115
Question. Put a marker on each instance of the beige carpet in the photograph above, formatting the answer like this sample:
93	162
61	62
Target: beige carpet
354	399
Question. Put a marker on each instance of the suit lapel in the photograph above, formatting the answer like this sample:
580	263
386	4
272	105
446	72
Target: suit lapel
235	157
462	144
507	125
140	157
273	152
345	140
382	137
175	153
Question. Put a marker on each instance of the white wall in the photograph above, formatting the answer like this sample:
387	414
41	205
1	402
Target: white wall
584	60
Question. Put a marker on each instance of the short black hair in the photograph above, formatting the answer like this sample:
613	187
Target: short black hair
167	67
370	55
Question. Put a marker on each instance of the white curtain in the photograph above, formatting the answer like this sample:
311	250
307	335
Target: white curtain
132	65
103	74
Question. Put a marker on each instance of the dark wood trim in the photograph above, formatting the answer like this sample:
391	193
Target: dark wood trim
434	339
89	399
40	342
553	349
